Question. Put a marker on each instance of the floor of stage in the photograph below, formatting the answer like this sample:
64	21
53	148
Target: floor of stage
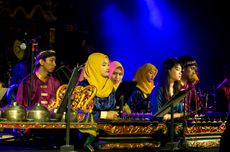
26	145
32	148
125	150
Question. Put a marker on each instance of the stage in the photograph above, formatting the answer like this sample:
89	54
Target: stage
117	136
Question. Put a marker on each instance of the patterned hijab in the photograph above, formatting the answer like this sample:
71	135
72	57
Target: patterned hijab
141	78
113	65
93	74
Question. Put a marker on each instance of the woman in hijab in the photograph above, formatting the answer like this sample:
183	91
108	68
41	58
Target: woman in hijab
96	73
140	97
116	73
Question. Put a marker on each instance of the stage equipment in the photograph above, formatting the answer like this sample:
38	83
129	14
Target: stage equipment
14	112
66	107
38	113
168	107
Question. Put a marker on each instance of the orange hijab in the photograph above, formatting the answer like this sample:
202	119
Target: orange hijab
93	74
141	78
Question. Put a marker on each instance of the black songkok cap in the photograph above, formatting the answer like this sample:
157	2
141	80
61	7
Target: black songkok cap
44	54
187	61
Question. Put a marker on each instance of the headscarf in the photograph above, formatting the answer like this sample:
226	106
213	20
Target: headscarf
113	65
141	78
81	76
94	76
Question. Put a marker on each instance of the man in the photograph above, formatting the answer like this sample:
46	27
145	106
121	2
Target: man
43	91
44	85
188	81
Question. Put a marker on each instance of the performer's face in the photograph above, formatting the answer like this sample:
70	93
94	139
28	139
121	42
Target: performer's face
105	68
188	72
151	75
117	75
175	73
49	64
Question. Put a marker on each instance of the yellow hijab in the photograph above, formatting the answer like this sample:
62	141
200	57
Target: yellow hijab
113	65
93	74
141	78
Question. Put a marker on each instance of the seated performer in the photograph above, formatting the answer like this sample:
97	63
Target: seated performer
188	81
44	85
116	73
139	99
96	73
44	88
223	93
169	85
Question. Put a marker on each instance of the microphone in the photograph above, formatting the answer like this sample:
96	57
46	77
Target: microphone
32	41
122	100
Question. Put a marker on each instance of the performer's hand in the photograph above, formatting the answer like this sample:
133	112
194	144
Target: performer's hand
112	115
167	117
178	115
175	115
126	109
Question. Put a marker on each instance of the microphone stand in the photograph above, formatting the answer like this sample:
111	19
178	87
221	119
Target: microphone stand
33	49
66	105
172	145
67	147
165	109
184	144
121	105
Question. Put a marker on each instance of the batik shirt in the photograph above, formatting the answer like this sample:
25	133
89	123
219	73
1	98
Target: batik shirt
42	92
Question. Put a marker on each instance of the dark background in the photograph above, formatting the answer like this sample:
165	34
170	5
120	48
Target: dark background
77	27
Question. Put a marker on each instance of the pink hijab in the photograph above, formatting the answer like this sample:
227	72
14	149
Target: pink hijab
113	65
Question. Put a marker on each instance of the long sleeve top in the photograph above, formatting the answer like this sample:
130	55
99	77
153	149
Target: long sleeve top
42	92
101	104
138	101
159	100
